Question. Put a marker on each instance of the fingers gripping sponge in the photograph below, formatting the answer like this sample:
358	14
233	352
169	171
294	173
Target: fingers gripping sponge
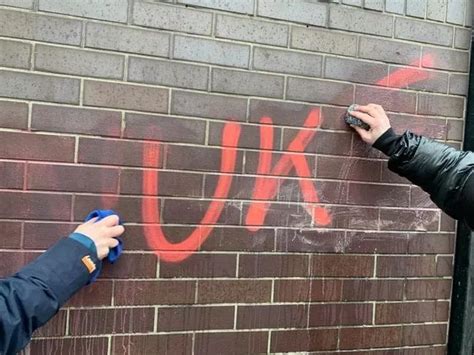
354	121
114	253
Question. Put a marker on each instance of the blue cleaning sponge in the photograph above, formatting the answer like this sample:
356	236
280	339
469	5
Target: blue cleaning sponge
114	253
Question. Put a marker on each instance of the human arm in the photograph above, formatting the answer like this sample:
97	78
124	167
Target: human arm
34	295
442	171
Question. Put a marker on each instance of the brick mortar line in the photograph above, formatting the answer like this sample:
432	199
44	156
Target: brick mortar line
230	330
261	305
220	226
81	92
155	321
307	305
243	330
32	55
428	279
109	344
68	317
412	233
22	235
301	255
82	44
257	304
25	176
125	73
269	342
73	203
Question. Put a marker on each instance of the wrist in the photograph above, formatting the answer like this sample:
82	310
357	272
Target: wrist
86	241
387	142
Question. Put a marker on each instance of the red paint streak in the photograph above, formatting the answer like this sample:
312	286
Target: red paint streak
266	188
405	76
151	210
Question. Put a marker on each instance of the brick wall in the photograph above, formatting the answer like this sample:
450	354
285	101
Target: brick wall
248	231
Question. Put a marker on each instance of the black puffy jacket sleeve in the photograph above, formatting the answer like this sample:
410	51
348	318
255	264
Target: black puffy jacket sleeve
34	295
442	171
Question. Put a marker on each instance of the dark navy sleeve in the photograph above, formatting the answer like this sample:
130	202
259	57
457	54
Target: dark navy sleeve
34	295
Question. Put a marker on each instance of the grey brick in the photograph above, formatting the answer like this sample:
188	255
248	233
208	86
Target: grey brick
127	39
447	59
78	62
296	11
389	51
392	99
110	10
247	83
455	130
287	61
416	8
14	54
456	10
52	118
439	105
352	2
435	81
436	10
163	72
362	21
458	84
462	38
320	91
208	105
282	112
26	4
13	115
39	87
354	70
395	6
174	18
125	96
324	41
422	31
374	4
241	6
211	51
39	27
251	30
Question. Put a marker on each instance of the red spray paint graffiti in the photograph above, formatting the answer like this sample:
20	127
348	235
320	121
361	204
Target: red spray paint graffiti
265	188
150	209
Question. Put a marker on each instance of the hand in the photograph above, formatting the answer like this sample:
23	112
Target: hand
102	233
375	117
